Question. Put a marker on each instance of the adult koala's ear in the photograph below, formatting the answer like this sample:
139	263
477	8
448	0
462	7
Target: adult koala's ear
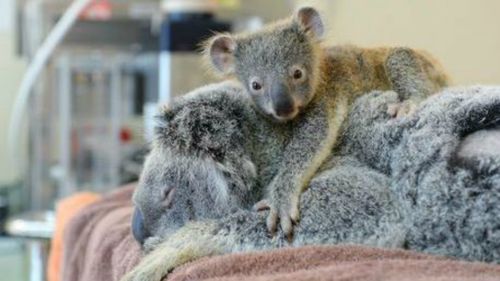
219	52
164	129
310	19
165	116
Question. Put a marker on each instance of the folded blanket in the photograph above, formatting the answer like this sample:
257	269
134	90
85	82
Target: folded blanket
98	246
97	243
335	263
65	210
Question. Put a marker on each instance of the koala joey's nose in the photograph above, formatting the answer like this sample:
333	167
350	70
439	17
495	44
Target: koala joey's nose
283	102
284	110
138	229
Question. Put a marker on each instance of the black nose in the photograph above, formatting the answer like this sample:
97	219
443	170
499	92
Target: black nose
282	101
284	109
138	230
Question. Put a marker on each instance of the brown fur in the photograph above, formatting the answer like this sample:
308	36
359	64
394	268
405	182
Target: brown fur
352	71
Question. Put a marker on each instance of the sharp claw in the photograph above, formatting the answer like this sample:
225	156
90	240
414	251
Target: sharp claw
286	225
289	237
295	215
272	222
261	205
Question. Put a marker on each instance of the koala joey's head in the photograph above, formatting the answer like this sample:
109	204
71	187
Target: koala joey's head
279	65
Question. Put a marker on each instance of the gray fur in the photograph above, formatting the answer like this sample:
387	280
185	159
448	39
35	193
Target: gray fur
389	183
449	198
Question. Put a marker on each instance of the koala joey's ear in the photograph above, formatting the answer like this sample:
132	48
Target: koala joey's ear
220	53
310	19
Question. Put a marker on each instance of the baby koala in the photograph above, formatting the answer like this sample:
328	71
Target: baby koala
291	77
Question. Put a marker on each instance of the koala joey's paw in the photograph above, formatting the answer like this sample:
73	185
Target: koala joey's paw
401	109
286	214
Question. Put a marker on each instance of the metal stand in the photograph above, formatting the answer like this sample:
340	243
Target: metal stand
35	230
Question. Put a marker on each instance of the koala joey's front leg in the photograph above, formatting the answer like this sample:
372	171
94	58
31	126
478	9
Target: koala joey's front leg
312	140
193	241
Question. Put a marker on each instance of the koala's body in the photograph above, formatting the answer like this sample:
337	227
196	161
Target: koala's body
291	77
389	184
211	159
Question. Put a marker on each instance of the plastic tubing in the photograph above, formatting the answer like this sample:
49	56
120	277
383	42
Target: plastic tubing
31	75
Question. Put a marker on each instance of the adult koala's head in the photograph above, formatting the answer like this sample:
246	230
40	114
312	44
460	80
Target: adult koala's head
197	168
175	189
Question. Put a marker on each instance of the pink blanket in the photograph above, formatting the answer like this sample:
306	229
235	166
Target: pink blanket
98	245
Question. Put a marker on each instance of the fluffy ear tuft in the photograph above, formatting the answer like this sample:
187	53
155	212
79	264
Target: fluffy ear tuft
310	19
219	52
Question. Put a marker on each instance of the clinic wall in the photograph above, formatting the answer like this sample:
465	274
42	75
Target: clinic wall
11	70
463	34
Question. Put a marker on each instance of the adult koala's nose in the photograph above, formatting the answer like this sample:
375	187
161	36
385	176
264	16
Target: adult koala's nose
283	102
138	230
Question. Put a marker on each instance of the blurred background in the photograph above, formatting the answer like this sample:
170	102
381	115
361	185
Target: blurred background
90	111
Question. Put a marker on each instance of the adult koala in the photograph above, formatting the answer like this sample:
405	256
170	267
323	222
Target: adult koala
212	156
391	182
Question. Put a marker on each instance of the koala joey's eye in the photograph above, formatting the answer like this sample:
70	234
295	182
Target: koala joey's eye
297	74
168	197
256	86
